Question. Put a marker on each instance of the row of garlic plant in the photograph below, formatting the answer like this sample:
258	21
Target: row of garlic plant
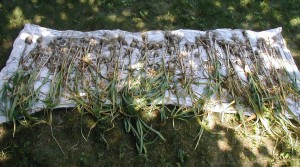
109	77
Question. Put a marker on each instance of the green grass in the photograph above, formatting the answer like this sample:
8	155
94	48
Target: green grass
149	15
178	149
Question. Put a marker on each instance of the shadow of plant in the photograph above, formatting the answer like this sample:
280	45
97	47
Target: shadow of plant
132	15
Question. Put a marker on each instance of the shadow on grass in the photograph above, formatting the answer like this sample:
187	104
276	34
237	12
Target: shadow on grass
35	145
133	15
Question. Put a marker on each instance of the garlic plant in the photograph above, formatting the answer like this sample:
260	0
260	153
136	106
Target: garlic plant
117	75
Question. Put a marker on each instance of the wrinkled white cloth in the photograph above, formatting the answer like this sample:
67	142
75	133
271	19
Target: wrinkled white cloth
273	36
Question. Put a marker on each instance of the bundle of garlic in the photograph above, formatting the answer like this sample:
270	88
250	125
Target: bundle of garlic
109	73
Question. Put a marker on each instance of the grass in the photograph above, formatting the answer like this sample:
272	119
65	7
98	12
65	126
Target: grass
141	16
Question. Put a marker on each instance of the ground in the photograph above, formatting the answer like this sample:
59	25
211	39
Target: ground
223	146
67	141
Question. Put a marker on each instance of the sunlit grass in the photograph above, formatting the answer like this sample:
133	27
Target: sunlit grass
295	21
